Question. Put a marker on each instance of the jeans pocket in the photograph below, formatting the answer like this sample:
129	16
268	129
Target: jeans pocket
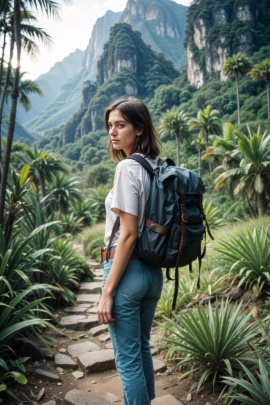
131	282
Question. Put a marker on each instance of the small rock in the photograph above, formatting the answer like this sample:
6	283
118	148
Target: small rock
189	397
208	403
82	336
64	361
59	383
109	345
79	397
105	338
62	350
46	375
32	394
41	394
78	374
36	363
59	370
94	382
159	366
154	351
50	403
98	330
194	386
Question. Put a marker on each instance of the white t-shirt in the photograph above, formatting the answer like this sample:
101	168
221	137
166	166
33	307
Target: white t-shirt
129	193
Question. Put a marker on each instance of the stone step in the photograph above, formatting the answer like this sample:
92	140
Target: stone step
65	362
104	338
98	330
98	272
97	279
79	397
90	288
82	298
101	360
80	348
46	375
93	263
166	400
92	310
75	310
159	366
79	321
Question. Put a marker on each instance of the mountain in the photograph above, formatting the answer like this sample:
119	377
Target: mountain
99	37
51	83
162	25
217	29
68	99
127	67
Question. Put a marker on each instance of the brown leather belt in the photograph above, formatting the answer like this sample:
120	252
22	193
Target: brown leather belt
111	254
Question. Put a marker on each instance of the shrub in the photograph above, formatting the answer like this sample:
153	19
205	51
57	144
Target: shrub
212	342
246	258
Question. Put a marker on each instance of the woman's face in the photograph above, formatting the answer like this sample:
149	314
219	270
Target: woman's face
121	132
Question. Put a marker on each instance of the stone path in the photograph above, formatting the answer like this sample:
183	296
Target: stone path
91	360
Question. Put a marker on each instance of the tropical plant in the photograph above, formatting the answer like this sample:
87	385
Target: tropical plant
63	192
261	71
255	392
237	65
212	342
207	123
199	144
82	211
254	172
212	214
245	259
93	238
175	123
97	197
43	166
64	270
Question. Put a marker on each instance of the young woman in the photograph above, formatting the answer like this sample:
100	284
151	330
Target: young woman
130	288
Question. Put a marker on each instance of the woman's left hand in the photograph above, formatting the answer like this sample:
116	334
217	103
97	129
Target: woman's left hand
104	312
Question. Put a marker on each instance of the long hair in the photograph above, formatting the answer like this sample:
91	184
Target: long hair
136	113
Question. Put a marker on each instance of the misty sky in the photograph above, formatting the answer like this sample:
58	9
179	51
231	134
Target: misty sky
71	31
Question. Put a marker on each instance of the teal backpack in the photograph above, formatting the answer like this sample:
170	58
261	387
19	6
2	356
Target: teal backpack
174	230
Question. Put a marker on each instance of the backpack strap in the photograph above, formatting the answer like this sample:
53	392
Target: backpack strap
140	159
114	230
169	161
183	242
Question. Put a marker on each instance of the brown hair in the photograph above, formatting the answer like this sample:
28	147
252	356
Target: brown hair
136	113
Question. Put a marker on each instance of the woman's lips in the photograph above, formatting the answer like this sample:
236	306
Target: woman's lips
114	140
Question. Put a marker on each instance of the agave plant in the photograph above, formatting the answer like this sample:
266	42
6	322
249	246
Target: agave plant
212	342
255	392
246	259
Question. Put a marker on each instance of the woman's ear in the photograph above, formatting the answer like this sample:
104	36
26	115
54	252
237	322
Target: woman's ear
139	131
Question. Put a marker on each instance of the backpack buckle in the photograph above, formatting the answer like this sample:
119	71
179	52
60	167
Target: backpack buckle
184	218
152	227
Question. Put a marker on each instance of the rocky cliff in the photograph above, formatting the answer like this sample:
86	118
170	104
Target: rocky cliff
127	67
162	25
216	29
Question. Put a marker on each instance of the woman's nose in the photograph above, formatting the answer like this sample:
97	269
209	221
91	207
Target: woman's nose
112	130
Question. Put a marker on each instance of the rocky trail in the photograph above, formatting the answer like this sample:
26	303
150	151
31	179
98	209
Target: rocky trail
81	369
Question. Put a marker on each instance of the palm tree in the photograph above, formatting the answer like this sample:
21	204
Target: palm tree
50	7
199	144
237	65
208	123
253	173
43	166
28	31
262	71
25	87
175	123
64	192
226	154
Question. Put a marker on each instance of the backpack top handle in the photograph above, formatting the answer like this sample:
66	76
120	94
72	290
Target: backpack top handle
147	165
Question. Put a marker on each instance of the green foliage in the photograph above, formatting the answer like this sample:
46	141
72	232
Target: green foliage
212	342
245	258
255	392
93	239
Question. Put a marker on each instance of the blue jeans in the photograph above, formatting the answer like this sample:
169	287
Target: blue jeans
135	301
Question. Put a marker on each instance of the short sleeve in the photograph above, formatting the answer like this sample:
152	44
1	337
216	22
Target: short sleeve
125	192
